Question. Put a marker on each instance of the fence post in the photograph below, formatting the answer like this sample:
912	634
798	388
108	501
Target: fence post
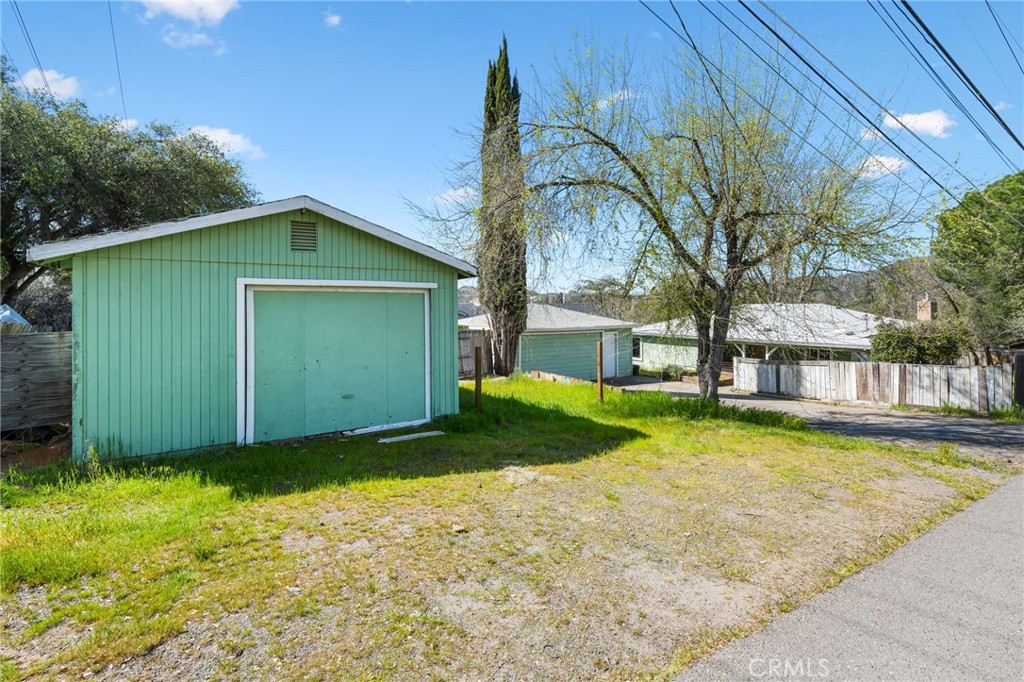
478	362
1018	379
600	371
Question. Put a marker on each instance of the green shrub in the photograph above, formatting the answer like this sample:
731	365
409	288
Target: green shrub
924	343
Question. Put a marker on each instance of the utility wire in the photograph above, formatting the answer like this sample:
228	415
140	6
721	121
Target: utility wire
999	25
861	89
915	52
799	91
31	47
981	46
10	60
856	109
956	67
874	100
803	137
117	59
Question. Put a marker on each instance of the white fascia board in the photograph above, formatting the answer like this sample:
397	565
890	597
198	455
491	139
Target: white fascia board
44	252
574	330
54	250
761	342
388	235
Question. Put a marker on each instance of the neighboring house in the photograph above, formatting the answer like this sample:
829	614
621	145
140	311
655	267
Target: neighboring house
564	342
806	331
287	319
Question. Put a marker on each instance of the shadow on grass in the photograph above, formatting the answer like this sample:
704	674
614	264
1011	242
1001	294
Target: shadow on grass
509	431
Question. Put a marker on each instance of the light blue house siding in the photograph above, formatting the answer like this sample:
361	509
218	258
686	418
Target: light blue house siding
658	353
572	354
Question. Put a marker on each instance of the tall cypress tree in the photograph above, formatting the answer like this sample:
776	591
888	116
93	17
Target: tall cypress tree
501	247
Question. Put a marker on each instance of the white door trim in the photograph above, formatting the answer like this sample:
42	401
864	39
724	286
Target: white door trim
245	340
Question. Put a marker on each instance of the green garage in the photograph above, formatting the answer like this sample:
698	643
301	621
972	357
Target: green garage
277	321
561	341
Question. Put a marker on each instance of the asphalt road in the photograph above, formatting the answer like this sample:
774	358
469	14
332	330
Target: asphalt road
947	606
974	435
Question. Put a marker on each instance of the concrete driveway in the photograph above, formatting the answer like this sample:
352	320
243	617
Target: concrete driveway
974	435
947	606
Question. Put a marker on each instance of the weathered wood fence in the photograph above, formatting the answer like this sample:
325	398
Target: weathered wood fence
468	340
35	380
979	388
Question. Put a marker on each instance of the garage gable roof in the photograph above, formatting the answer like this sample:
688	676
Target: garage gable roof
549	318
54	250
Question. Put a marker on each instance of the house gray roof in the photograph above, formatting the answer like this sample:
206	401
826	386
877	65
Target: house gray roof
787	324
548	318
54	250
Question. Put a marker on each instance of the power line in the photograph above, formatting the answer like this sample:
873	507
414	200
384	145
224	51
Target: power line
117	60
981	46
10	61
912	48
956	67
859	87
856	109
999	25
828	82
803	138
31	47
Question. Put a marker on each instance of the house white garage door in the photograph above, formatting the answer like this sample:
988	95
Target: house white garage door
328	359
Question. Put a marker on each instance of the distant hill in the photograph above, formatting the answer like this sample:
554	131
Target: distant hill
892	291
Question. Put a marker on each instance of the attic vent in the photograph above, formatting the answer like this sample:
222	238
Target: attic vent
303	236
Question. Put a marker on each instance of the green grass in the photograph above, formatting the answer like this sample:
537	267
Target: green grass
125	554
1008	415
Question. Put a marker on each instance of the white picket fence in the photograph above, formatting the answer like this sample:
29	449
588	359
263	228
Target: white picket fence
980	388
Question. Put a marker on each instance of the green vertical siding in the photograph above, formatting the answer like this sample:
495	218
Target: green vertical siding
154	326
571	354
657	353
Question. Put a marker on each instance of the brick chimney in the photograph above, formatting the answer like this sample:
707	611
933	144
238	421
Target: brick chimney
927	309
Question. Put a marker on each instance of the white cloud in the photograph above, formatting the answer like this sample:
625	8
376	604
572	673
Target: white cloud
221	50
199	12
878	166
230	142
656	35
181	40
1003	106
61	85
617	96
935	123
456	196
870	134
127	123
332	19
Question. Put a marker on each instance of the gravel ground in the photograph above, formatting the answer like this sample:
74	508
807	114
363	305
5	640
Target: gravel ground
915	615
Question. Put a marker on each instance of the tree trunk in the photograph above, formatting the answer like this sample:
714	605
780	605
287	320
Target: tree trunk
712	331
505	340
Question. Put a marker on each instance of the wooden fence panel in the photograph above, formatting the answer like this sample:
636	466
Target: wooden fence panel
977	388
468	340
35	380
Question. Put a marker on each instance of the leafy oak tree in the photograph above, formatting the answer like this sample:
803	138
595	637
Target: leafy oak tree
713	185
66	173
979	248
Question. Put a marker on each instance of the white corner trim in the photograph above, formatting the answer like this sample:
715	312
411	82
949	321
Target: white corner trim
245	326
52	250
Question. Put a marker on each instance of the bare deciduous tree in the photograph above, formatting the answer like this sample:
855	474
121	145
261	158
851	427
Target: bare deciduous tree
714	185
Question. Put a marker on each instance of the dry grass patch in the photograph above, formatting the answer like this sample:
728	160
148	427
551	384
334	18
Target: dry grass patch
548	538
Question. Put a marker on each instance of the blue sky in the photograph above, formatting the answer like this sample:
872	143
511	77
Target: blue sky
359	104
